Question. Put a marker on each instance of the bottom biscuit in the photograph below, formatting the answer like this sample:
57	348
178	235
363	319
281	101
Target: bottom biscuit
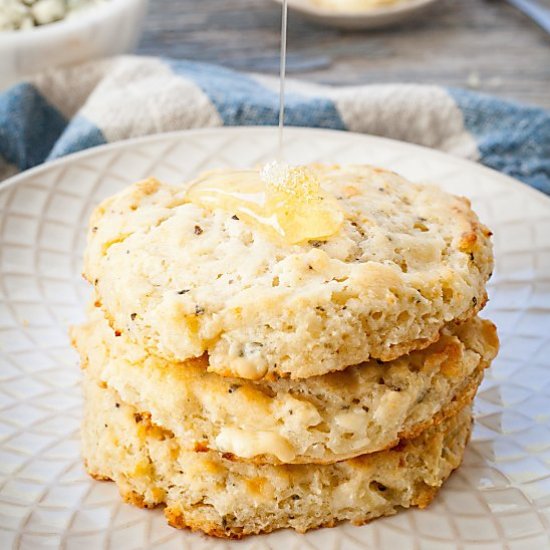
208	492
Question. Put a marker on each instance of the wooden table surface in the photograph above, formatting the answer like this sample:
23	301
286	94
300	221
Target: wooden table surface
480	44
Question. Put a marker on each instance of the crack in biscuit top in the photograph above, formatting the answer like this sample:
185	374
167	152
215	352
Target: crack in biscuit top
285	202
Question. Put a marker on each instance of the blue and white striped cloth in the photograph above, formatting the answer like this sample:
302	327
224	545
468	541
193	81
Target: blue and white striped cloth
68	110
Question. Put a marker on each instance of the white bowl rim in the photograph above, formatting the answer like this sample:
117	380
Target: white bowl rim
93	15
306	6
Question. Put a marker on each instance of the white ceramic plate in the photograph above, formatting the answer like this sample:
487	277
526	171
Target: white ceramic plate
500	498
367	19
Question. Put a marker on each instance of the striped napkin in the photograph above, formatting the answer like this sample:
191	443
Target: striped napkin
67	110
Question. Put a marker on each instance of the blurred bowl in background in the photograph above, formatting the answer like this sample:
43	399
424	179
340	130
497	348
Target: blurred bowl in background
370	18
105	30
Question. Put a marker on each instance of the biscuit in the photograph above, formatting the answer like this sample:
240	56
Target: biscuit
322	419
210	493
183	281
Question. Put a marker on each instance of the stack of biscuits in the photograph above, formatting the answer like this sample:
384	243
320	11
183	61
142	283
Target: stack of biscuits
248	384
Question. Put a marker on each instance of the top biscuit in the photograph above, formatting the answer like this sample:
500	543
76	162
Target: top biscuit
182	280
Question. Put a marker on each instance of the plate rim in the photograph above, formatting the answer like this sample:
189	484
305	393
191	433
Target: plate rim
509	181
307	8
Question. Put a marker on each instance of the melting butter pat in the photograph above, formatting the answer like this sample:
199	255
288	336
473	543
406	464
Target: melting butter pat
285	202
247	444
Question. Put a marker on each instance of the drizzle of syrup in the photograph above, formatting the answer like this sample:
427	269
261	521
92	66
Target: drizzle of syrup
282	76
285	202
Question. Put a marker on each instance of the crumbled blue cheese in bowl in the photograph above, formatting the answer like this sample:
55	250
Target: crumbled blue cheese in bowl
25	14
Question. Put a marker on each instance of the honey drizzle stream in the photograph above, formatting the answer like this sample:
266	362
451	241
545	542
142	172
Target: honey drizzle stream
284	19
285	202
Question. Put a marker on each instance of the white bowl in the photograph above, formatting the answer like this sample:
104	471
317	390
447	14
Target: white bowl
101	31
367	19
